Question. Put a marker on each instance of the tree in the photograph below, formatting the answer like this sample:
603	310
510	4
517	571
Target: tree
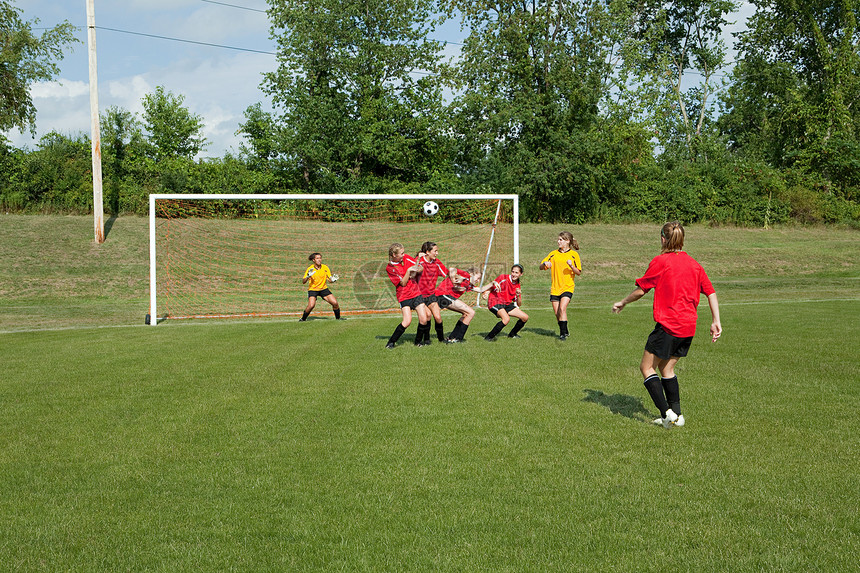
681	40
537	83
26	58
795	99
263	135
123	146
173	131
356	88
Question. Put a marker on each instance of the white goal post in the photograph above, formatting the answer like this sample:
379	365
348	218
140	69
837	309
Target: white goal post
512	229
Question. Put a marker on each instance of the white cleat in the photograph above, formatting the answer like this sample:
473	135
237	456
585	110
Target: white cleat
670	420
680	421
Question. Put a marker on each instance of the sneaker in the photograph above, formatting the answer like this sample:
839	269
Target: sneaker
389	346
670	419
680	421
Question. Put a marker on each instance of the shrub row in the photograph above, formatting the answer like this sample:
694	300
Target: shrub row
58	178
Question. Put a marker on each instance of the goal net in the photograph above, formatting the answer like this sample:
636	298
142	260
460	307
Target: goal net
221	256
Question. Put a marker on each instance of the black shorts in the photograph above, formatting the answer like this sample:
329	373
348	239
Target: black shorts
444	301
506	307
665	346
430	299
412	303
321	293
558	297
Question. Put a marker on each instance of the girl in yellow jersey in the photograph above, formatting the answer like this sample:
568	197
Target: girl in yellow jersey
565	265
316	277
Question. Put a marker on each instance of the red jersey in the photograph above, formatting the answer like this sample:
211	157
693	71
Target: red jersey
448	288
505	294
677	280
397	271
432	271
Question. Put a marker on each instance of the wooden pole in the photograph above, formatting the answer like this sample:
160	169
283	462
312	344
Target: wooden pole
98	206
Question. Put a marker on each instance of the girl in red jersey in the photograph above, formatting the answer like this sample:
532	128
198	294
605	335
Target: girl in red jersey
677	280
402	270
318	274
428	258
448	295
504	300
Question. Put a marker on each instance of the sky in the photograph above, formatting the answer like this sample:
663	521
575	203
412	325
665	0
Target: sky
217	81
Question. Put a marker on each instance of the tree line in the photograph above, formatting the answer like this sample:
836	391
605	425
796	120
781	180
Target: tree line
590	110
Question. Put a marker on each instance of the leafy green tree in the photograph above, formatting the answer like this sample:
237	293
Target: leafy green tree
172	130
356	89
539	90
677	71
123	148
263	137
795	99
26	58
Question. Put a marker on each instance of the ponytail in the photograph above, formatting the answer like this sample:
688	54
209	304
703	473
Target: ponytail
673	234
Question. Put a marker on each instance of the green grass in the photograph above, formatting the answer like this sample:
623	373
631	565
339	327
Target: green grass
277	446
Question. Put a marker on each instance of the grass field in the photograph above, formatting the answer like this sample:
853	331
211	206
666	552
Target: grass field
271	445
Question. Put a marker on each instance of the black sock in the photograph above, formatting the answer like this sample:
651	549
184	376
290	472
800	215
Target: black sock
337	313
456	332
398	332
562	328
423	330
440	332
673	393
459	330
517	327
305	314
655	389
496	329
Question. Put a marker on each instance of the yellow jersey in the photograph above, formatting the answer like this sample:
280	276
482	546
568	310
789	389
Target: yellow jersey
562	274
317	281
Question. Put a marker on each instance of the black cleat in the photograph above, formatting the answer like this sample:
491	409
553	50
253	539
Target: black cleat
389	346
563	337
454	340
303	320
514	336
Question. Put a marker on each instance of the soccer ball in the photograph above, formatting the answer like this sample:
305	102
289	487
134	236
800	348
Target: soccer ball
430	208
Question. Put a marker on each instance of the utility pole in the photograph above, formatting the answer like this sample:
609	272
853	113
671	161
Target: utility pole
98	206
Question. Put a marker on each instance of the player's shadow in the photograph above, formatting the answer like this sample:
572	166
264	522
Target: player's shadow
542	332
627	406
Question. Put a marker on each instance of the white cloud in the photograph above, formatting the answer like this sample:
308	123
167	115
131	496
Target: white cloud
215	24
127	93
62	89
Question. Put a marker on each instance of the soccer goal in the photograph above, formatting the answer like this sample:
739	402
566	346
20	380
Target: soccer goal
222	256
